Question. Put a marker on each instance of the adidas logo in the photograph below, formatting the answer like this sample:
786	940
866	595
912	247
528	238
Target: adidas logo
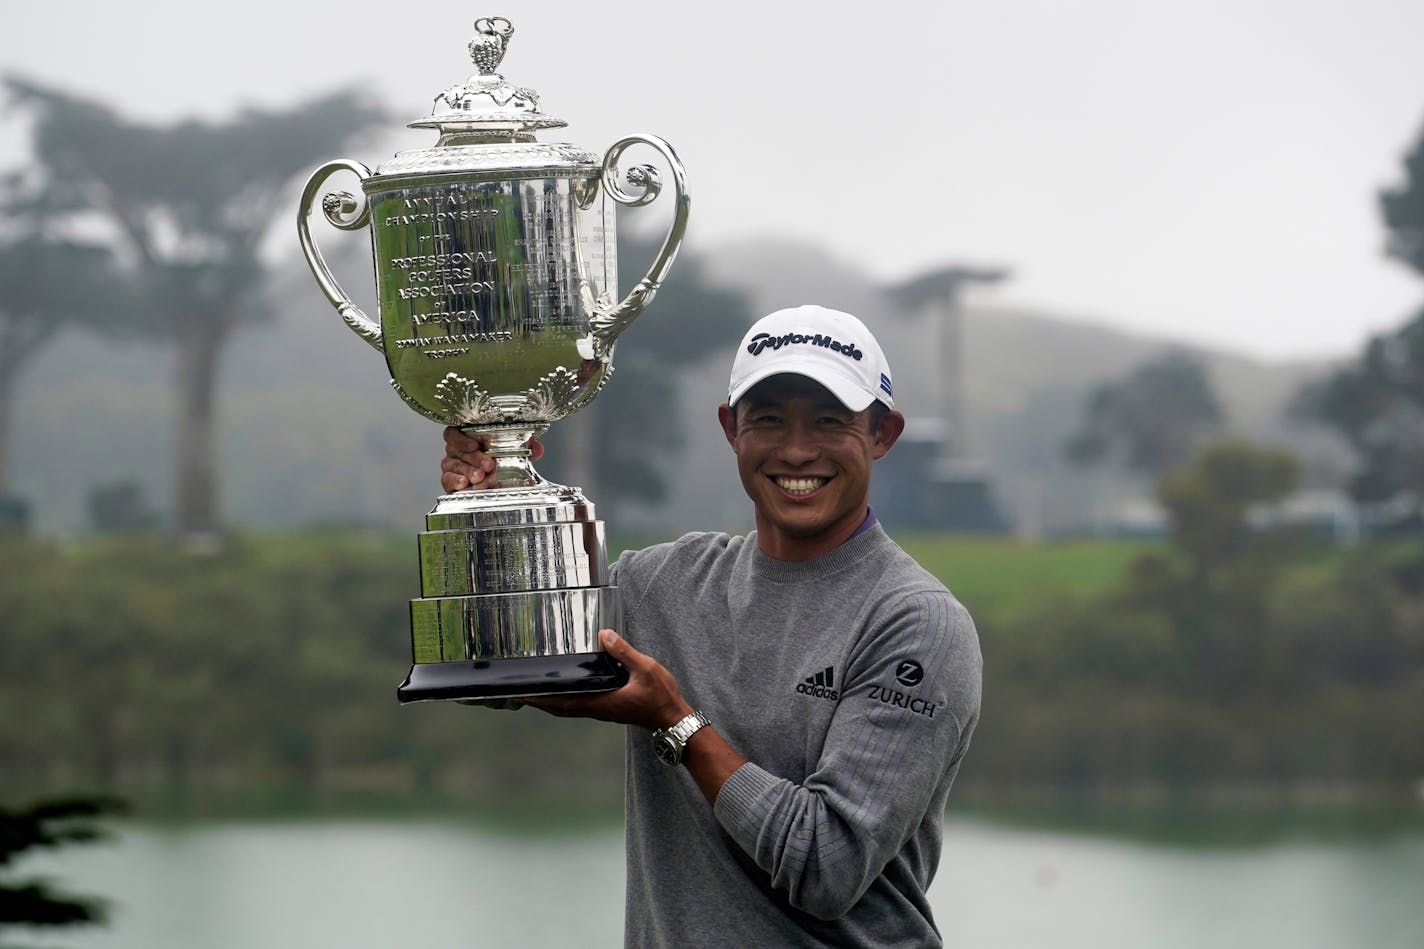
821	685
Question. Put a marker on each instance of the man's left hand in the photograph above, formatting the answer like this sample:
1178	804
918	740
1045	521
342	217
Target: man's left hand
650	699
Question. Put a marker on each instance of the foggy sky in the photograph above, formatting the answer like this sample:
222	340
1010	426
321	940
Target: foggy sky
1202	171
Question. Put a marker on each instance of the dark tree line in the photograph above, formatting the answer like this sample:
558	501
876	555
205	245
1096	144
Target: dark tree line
267	666
1246	654
1239	652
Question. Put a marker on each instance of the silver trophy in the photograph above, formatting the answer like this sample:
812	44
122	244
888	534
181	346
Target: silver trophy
496	274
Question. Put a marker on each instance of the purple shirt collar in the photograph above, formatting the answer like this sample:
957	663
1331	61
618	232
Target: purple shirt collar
866	524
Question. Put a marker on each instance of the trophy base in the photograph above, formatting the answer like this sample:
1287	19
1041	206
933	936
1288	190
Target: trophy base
515	677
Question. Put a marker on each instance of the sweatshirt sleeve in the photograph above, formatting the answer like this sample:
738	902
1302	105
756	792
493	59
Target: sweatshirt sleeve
901	726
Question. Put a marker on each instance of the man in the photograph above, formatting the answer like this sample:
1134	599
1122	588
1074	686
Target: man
837	681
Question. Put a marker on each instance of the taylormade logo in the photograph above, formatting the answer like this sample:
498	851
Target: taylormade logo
761	342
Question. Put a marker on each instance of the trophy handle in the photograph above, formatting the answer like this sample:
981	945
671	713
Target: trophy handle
608	325
343	211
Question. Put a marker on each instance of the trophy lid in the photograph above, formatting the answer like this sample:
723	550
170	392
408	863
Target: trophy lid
486	103
486	126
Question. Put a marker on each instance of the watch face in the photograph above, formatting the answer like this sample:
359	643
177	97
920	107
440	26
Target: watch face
667	749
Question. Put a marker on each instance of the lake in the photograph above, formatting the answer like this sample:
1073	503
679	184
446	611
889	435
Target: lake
379	883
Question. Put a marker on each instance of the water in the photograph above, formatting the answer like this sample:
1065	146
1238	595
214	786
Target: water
302	884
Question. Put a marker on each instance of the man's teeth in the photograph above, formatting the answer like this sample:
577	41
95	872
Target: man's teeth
800	485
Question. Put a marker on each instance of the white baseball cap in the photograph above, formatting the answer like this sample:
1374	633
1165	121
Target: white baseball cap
827	346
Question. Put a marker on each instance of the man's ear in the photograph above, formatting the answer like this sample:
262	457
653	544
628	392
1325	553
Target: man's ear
728	417
892	426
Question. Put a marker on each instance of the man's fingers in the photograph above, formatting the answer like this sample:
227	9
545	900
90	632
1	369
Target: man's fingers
472	472
458	443
469	448
471	459
570	706
617	647
466	465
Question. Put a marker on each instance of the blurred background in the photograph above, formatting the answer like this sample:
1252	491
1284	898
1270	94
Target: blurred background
1152	281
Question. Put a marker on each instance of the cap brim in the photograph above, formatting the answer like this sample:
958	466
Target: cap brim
849	393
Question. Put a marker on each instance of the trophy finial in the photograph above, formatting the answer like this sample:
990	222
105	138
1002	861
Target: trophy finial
492	35
486	104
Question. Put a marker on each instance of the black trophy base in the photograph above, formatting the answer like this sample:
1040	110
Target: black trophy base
511	678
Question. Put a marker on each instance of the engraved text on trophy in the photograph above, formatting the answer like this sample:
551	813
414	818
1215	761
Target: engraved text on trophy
498	279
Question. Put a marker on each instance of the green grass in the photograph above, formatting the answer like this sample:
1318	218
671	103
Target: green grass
992	576
995	575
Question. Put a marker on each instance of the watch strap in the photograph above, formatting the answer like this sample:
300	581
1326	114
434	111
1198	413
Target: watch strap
670	743
687	727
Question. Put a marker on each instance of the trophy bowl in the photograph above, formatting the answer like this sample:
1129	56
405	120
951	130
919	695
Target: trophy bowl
496	276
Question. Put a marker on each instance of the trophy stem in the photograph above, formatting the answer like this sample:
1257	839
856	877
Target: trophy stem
508	445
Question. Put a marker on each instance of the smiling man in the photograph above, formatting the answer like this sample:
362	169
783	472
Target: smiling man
809	689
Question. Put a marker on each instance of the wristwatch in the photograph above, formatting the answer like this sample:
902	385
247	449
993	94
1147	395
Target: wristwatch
670	743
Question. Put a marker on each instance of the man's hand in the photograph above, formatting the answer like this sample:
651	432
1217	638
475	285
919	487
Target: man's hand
650	699
465	465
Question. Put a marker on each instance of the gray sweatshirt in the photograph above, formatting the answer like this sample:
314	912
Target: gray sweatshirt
851	684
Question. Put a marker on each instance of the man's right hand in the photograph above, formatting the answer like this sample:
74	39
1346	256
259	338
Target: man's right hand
465	465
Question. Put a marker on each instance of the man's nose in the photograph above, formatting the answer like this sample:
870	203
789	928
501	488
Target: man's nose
799	445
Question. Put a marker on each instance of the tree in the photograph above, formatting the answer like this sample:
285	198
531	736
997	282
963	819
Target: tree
189	204
1154	419
1402	208
50	284
1377	403
49	824
1209	502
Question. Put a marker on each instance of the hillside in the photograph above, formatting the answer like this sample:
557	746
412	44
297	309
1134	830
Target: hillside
1026	377
311	432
